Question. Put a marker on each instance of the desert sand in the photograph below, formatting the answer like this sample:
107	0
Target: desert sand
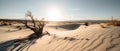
65	37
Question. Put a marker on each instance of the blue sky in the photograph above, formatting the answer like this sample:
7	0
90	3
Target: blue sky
72	9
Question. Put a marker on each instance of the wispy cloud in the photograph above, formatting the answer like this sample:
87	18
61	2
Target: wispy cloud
75	9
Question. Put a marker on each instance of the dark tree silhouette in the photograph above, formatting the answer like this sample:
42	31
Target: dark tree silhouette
37	27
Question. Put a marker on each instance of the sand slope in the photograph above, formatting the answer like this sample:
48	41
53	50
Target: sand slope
91	38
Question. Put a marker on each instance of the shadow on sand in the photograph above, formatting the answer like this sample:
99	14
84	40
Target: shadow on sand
18	44
67	26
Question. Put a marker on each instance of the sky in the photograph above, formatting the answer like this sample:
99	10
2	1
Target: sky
61	9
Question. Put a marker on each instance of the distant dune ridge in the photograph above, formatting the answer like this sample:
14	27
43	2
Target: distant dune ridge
65	37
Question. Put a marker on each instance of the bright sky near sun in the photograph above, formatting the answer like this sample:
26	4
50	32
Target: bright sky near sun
56	10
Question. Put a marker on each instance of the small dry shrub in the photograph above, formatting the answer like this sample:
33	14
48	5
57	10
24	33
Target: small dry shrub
117	23
10	24
6	23
20	28
8	30
101	26
86	23
108	24
113	23
17	26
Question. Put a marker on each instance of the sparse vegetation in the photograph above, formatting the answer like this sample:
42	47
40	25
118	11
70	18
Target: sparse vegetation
17	26
5	23
101	26
20	28
113	22
86	23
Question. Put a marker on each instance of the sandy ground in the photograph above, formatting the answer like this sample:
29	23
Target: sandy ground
74	37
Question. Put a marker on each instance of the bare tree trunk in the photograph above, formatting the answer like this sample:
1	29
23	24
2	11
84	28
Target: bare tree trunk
37	28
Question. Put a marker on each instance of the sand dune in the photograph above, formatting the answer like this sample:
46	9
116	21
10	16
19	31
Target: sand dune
79	38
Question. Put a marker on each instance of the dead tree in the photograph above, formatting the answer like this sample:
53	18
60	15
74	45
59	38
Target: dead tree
20	44
37	27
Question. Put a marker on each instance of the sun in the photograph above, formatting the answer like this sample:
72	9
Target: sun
54	14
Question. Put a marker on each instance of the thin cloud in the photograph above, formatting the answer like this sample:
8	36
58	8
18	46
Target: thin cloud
75	9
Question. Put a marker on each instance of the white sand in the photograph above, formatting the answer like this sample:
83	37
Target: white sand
90	38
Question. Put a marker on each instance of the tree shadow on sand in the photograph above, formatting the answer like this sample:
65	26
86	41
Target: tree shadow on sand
20	44
17	44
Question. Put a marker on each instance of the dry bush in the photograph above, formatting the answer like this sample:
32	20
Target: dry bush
113	23
10	24
116	23
37	26
86	23
20	28
108	24
101	26
17	26
5	23
8	30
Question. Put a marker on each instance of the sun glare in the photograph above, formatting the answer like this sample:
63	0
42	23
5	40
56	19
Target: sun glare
54	14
